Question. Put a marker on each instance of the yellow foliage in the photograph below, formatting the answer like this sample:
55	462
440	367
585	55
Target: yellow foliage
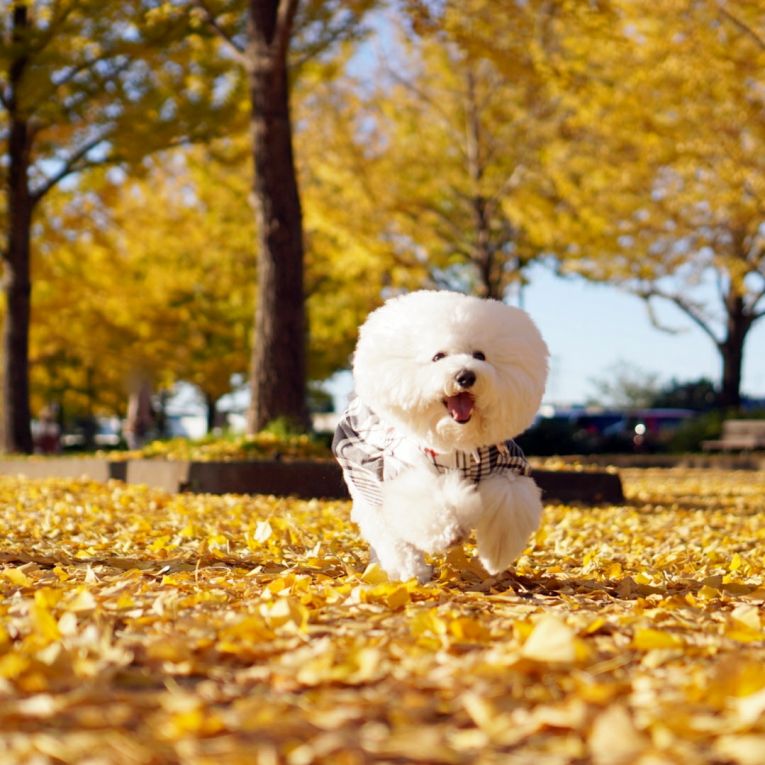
122	617
137	295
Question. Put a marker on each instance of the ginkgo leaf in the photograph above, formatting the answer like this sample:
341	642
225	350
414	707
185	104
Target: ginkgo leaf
648	639
614	739
16	576
550	640
43	621
294	644
83	601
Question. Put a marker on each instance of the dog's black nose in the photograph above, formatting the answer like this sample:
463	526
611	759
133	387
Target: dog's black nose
465	378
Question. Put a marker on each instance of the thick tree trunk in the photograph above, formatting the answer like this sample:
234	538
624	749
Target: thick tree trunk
730	394
17	436
731	350
211	407
16	433
140	421
482	254
277	380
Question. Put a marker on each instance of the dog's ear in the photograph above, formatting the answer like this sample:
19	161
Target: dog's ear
384	357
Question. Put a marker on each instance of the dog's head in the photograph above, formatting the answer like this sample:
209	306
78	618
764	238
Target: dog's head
454	371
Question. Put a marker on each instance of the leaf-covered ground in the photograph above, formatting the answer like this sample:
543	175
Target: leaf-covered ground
139	627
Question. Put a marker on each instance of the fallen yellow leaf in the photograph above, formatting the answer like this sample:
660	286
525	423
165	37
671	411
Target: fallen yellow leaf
550	641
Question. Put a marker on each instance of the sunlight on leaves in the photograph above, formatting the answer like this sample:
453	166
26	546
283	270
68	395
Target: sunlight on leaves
184	628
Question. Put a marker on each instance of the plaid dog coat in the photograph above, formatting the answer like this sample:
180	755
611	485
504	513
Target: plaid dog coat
370	452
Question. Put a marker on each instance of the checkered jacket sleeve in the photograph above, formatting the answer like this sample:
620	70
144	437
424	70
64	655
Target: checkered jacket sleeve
359	446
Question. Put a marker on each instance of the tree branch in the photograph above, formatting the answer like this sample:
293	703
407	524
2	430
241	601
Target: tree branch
415	213
74	70
285	17
72	164
756	299
440	114
743	27
311	52
50	32
688	308
4	102
237	51
656	322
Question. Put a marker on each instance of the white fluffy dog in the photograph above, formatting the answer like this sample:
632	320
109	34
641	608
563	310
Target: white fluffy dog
443	382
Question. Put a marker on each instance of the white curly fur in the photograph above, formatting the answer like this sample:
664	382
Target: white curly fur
395	375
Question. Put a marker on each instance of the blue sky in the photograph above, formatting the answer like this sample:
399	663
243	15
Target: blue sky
589	328
592	328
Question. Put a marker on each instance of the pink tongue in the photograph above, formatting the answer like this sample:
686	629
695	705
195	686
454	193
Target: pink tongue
460	406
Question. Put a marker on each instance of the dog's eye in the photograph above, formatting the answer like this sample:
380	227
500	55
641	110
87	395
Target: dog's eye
480	355
440	355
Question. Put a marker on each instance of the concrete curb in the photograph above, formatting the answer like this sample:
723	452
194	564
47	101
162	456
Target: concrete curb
740	461
300	478
65	467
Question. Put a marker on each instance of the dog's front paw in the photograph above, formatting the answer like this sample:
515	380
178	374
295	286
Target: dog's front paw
513	511
454	534
420	571
462	504
402	562
405	570
429	511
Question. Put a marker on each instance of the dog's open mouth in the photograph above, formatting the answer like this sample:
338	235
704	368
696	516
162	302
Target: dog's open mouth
460	407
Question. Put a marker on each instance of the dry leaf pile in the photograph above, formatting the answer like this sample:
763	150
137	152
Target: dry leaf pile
140	627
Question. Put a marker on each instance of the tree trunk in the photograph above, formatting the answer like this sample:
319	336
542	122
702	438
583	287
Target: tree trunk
278	371
731	350
16	433
483	249
211	406
139	420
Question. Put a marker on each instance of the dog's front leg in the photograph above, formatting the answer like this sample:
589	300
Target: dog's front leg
398	558
428	510
511	511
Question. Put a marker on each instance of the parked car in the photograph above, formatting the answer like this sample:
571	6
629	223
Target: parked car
646	429
100	432
588	431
